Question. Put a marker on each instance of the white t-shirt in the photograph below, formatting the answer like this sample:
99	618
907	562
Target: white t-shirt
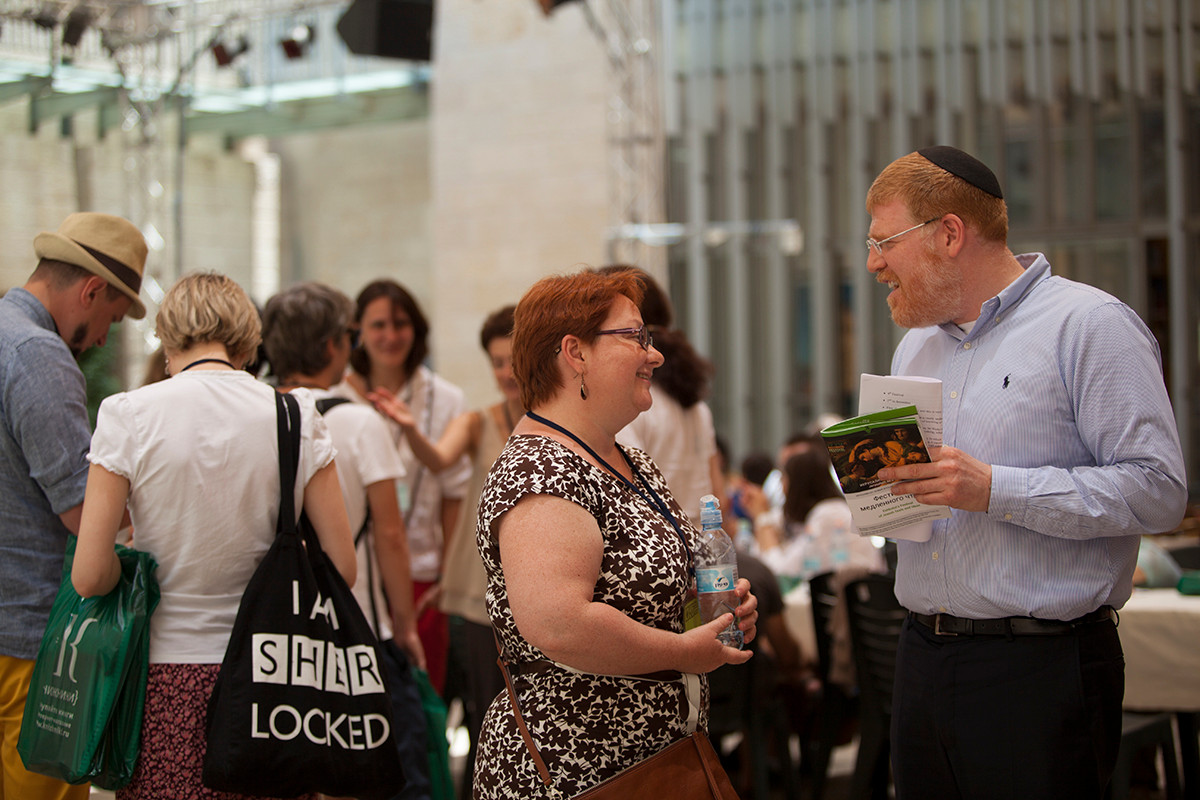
200	453
682	442
365	455
434	402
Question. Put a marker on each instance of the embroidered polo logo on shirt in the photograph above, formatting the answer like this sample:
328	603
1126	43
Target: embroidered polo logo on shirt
1005	381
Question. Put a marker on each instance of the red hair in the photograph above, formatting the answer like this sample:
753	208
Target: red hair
930	192
553	308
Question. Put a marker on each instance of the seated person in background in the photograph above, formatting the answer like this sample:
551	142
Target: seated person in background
777	640
812	533
773	483
779	673
748	484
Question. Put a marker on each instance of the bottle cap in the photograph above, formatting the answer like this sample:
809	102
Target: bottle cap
710	512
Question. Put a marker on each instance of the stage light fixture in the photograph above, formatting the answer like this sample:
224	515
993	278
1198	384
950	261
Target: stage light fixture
389	28
77	24
550	5
225	55
45	19
297	42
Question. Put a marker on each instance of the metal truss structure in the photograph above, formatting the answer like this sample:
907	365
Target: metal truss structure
629	31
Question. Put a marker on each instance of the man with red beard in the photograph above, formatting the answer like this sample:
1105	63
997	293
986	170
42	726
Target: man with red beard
1060	450
87	278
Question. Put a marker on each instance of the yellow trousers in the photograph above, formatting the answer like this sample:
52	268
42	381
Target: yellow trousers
17	783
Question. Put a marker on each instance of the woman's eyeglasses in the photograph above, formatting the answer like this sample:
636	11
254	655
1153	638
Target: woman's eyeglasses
640	335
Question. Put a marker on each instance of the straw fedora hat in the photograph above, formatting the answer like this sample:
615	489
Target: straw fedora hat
109	246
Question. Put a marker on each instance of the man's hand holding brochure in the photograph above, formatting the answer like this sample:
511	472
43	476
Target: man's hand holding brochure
900	421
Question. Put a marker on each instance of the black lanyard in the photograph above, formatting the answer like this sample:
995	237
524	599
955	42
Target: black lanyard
653	500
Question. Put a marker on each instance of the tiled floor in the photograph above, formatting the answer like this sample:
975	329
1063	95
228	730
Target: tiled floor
841	768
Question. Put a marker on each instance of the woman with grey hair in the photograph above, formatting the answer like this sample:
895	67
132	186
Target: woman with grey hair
195	460
308	337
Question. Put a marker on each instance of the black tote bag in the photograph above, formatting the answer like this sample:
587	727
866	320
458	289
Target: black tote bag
300	704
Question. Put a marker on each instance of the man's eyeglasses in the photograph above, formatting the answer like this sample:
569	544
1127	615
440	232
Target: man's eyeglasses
353	332
641	335
877	246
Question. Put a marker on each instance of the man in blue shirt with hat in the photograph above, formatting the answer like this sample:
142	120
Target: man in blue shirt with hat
87	278
1060	450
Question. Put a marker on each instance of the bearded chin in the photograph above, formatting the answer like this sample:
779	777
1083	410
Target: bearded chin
932	297
922	315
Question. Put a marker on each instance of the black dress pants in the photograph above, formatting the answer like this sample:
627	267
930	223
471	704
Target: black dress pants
1018	718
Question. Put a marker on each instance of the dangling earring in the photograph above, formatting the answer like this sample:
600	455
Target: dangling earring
583	392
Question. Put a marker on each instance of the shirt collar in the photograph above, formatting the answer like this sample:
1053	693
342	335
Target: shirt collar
1035	269
31	307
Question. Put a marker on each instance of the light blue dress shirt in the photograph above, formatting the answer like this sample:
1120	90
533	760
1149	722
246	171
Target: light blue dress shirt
1059	387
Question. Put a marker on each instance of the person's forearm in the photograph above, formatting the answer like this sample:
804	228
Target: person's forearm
598	638
391	552
1088	502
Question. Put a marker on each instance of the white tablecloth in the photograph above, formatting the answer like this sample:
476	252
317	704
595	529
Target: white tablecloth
797	612
1160	634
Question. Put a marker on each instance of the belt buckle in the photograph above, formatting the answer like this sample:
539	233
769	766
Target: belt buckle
937	627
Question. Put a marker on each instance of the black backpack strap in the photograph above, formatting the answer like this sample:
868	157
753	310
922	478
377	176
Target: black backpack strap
287	416
326	403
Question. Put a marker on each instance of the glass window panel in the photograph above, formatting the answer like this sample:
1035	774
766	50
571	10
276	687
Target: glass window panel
1019	181
1113	170
1152	170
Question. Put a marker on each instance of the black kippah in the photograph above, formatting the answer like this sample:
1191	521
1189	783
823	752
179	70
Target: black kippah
965	166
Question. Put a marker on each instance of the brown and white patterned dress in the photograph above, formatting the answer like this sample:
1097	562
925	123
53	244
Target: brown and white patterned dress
587	727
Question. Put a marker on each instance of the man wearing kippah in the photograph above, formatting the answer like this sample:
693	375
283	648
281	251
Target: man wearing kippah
1061	450
87	278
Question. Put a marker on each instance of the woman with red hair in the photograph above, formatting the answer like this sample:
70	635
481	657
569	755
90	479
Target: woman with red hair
588	555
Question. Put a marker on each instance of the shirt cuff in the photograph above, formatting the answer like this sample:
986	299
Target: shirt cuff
1009	495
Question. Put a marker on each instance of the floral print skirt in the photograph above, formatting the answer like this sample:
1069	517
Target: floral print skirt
173	741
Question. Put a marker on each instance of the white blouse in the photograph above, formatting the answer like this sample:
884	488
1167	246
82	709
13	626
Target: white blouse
199	451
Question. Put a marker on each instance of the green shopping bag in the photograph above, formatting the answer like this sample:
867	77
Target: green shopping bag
441	783
1189	582
83	715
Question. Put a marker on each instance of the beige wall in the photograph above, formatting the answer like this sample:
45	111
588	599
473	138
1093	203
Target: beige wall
504	183
355	206
46	176
519	169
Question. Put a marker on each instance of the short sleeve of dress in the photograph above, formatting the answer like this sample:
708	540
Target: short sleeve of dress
114	444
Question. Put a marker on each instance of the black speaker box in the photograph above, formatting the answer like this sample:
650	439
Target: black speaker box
389	28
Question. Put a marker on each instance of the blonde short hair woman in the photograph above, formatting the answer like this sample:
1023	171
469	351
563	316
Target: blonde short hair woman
195	461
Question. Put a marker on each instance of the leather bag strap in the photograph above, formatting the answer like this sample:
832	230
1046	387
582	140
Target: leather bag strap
708	770
703	748
512	696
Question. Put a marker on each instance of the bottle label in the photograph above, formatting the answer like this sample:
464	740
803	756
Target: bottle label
716	579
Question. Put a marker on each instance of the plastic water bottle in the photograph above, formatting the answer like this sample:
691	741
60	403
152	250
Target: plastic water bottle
716	571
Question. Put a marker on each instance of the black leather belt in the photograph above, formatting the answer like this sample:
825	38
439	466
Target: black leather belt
947	625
